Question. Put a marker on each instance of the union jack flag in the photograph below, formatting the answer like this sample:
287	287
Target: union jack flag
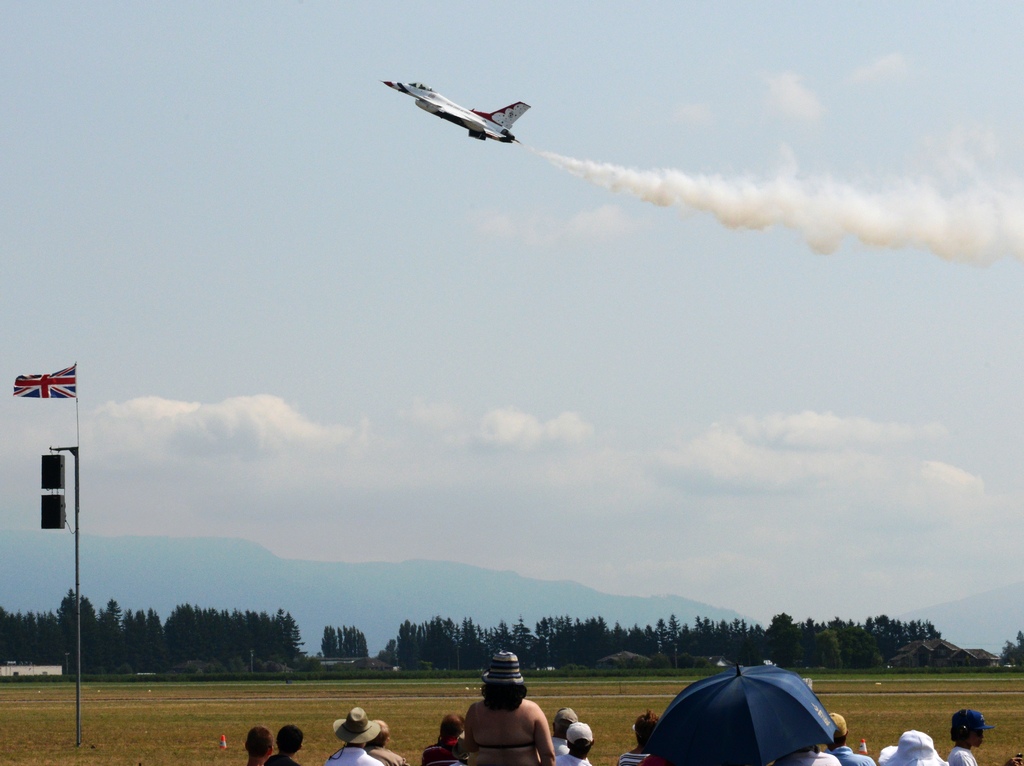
59	385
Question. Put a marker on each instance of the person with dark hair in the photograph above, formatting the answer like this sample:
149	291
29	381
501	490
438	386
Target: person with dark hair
259	744
289	742
642	728
378	748
967	731
442	753
505	728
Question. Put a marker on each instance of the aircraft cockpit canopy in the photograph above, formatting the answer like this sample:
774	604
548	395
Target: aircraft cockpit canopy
421	86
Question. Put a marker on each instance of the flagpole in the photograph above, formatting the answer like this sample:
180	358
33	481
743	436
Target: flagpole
78	589
78	607
78	585
63	385
78	599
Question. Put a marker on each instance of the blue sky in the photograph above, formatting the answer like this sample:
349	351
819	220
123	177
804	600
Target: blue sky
308	314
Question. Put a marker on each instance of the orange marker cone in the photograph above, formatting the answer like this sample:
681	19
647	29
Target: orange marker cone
224	742
863	747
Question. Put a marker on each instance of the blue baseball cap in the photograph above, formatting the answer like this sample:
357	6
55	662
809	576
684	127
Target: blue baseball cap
971	719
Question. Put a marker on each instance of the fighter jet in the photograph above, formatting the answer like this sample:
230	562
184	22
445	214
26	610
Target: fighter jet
482	125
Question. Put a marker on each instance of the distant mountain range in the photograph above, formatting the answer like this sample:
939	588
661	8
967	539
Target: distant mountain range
982	621
37	570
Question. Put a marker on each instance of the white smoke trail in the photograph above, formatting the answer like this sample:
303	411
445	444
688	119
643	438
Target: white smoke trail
976	226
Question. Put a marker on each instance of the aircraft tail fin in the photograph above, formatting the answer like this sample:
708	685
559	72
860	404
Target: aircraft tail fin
507	114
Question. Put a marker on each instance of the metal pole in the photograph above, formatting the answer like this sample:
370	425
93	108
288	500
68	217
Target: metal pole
78	607
78	617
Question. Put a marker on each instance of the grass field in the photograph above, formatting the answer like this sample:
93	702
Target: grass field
181	723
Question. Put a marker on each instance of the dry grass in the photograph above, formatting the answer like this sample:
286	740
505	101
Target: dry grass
182	723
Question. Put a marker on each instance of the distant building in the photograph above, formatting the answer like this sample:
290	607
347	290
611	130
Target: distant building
354	663
938	653
13	669
718	661
623	660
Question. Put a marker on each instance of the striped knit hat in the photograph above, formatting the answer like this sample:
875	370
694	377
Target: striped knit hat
504	670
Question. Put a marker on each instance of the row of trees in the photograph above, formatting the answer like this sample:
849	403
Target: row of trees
842	643
344	641
116	640
559	641
126	641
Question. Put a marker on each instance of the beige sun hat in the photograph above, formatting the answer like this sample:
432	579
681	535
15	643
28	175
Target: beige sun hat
356	728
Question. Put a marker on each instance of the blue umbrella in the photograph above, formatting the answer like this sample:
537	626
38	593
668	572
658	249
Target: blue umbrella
746	715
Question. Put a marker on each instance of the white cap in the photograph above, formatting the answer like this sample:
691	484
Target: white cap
579	731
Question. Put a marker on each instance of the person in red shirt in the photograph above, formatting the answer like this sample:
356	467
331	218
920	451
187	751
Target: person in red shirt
441	753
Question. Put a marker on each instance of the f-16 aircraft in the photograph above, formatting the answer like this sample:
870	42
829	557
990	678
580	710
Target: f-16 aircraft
482	125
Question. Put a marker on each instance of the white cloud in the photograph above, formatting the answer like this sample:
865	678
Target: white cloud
512	428
586	227
826	430
789	97
724	459
812	451
244	426
890	68
942	474
505	427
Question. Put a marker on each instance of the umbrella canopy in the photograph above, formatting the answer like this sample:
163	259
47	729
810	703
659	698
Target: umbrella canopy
746	715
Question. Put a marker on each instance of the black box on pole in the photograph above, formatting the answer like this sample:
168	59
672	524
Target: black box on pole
53	472
53	512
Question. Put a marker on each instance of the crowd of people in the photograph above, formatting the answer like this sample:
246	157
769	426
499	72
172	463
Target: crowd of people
506	729
915	748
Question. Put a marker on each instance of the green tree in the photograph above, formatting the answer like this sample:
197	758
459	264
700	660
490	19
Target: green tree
523	643
110	649
472	647
1013	653
858	648
329	642
290	637
784	640
826	649
389	653
354	642
407	649
672	649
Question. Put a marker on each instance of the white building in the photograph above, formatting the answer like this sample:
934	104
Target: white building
11	669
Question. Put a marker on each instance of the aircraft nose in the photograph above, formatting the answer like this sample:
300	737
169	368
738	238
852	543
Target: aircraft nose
389	84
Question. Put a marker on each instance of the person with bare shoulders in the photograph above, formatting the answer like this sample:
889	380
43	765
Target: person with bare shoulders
643	727
505	728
